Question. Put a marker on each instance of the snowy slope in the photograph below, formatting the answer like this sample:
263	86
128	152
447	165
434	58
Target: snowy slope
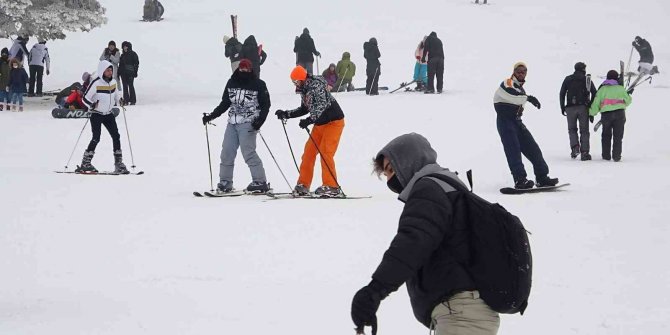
140	255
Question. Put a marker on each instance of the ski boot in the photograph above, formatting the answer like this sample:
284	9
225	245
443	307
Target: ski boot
523	184
224	187
586	156
325	191
429	91
575	152
86	167
119	167
300	190
546	181
20	108
258	187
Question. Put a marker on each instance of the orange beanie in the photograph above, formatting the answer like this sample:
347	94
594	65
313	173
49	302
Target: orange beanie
299	73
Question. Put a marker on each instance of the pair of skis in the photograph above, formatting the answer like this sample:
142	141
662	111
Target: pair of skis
271	195
103	173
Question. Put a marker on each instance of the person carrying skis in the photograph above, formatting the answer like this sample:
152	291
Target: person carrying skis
129	65
645	64
101	97
373	67
434	53
611	100
305	51
346	70
254	53
328	119
233	51
420	67
508	101
427	253
37	59
330	75
248	99
580	91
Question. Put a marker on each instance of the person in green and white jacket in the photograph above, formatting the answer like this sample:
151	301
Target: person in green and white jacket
611	100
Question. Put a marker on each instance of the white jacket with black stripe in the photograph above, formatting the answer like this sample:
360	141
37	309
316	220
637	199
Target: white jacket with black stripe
102	95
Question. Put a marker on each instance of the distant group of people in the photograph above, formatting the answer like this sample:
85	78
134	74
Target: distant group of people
14	80
126	67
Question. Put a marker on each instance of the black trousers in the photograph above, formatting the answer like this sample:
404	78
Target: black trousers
613	125
128	83
435	69
109	121
372	83
36	74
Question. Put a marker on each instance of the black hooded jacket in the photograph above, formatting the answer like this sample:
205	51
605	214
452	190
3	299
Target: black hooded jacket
233	50
644	48
580	77
250	51
431	243
371	54
305	49
433	47
129	64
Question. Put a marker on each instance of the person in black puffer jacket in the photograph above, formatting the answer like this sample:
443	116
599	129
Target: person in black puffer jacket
305	51
129	65
254	53
233	51
373	68
434	52
430	249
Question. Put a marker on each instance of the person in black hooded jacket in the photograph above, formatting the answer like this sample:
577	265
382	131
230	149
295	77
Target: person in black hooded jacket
305	51
373	67
254	53
129	65
430	247
434	50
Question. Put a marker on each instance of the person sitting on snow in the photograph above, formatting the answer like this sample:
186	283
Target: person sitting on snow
330	75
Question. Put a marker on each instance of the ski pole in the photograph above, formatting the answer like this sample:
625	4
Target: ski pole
342	80
132	159
283	123
324	161
373	80
273	158
75	145
209	157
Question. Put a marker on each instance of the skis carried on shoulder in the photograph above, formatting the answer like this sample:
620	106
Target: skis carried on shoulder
512	190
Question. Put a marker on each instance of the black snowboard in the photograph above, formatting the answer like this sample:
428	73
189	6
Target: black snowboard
512	190
64	113
381	88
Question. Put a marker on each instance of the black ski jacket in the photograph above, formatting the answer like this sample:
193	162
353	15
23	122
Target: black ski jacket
305	49
579	76
371	54
644	48
129	64
432	47
251	52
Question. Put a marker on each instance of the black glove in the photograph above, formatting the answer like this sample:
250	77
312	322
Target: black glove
365	304
563	111
630	90
257	123
591	118
318	54
533	100
206	118
282	115
305	122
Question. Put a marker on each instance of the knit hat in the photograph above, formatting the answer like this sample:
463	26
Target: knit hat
4	51
612	74
579	66
111	43
298	73
245	64
226	38
85	76
517	64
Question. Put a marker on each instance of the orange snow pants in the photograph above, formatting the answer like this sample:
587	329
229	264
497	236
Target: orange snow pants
327	138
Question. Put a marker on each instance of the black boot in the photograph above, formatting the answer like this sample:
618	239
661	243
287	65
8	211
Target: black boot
586	156
86	166
523	183
546	181
575	152
119	167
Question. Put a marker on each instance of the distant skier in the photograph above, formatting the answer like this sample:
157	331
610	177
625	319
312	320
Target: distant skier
373	67
477	2
328	119
248	99
580	91
233	51
255	53
112	55
346	70
420	67
330	75
305	51
508	101
101	96
611	100
129	66
434	53
646	56
37	59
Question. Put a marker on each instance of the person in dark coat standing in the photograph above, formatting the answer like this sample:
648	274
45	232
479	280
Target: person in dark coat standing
129	65
428	253
4	79
435	52
233	51
305	51
254	53
373	67
580	92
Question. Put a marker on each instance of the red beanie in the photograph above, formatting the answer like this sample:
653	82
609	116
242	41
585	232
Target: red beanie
245	64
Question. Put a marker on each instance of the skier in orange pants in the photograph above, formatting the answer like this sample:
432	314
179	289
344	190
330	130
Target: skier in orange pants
328	119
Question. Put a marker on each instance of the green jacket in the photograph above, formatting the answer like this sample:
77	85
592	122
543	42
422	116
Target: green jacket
345	68
4	74
610	97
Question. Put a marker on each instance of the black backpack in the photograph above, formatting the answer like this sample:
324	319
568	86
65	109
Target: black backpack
501	263
579	90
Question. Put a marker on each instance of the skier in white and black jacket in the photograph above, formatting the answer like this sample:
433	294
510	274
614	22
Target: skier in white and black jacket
247	100
101	96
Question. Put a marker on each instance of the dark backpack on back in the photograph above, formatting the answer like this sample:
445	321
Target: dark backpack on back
579	90
500	261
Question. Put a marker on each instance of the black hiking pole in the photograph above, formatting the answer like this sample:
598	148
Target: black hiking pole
342	80
283	123
209	157
324	162
75	145
273	158
132	159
